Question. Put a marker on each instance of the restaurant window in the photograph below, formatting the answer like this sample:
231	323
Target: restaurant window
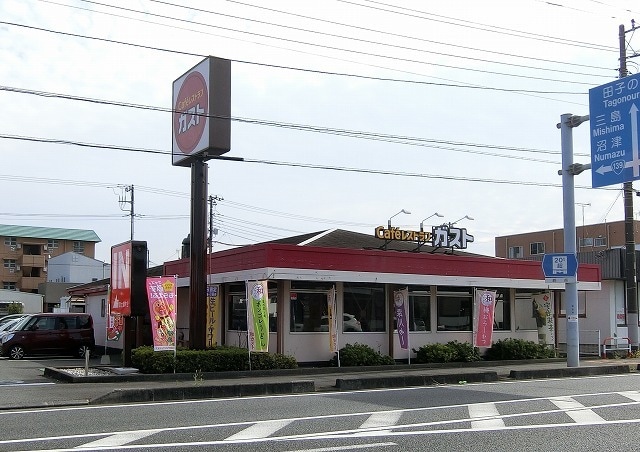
526	314
308	304
582	303
536	248
237	307
419	308
455	308
364	308
502	311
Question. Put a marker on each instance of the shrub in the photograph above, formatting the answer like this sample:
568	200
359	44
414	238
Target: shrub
464	351
435	353
219	359
518	349
15	308
361	355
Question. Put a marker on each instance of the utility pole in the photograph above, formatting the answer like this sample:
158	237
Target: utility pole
630	243
123	200
212	202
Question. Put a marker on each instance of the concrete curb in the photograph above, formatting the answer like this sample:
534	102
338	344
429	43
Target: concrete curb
198	391
569	372
399	381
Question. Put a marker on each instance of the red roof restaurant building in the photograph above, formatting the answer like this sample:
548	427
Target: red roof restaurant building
364	271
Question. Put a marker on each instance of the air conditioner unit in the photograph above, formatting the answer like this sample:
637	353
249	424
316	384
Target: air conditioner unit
17	268
13	247
12	270
19	245
44	269
45	247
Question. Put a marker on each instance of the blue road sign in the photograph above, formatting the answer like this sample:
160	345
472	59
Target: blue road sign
613	118
560	267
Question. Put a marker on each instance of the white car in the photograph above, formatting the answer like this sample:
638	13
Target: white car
349	323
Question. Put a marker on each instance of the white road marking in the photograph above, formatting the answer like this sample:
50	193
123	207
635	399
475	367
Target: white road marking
119	439
577	411
633	395
382	419
489	413
351	447
259	430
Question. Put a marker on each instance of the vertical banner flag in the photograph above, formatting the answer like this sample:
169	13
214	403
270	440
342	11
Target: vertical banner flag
400	305
543	313
161	292
115	322
258	316
213	314
120	294
333	320
483	308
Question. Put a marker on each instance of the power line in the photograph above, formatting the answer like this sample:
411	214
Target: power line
314	44
327	167
367	41
478	26
399	35
399	139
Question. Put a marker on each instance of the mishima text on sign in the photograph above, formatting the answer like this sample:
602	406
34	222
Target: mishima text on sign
439	236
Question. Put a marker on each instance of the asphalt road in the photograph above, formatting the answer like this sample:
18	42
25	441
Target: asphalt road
569	414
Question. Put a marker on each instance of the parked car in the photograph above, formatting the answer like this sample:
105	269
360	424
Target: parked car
48	333
10	325
349	323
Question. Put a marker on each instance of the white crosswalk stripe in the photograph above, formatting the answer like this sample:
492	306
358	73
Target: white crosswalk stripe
119	439
385	419
576	411
485	410
259	430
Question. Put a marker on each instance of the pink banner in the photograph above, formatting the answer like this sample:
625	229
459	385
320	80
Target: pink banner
484	305
162	294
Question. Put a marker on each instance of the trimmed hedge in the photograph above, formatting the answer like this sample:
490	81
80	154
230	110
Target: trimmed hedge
360	355
219	359
519	349
453	351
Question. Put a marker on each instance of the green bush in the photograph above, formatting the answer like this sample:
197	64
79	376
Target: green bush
361	355
219	359
15	308
453	351
518	349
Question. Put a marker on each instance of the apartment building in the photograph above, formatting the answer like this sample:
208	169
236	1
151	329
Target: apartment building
25	252
592	237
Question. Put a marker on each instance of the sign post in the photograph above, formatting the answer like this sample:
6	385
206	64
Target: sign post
560	268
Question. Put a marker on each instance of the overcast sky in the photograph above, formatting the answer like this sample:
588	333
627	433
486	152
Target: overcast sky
365	108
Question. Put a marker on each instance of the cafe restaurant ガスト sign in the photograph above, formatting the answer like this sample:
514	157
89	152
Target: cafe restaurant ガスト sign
439	236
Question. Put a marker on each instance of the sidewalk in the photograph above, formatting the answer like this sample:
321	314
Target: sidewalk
64	389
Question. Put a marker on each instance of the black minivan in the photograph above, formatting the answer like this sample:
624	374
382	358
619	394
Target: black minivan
49	333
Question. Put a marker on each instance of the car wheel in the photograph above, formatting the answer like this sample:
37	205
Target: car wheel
16	352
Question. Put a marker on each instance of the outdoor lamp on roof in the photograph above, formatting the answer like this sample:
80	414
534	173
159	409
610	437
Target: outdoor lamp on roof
402	211
432	215
466	217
